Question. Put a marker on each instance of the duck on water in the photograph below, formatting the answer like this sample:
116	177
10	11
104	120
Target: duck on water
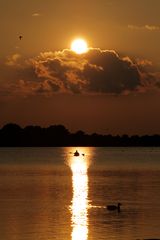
114	207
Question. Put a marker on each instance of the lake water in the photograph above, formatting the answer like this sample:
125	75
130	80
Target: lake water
48	194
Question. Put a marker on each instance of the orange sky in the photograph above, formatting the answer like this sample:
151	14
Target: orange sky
113	88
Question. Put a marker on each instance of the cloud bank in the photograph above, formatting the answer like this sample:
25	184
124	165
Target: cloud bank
145	27
95	72
36	14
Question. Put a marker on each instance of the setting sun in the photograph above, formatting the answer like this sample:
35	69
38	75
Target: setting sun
79	46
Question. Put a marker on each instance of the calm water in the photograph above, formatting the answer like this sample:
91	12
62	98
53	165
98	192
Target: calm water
47	193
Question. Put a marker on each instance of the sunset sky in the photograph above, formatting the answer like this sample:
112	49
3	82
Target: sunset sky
112	88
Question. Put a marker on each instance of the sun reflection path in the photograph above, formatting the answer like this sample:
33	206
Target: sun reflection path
79	207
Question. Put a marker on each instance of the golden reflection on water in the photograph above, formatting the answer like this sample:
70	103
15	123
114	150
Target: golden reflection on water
79	208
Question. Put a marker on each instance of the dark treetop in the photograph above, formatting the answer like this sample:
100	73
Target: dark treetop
12	135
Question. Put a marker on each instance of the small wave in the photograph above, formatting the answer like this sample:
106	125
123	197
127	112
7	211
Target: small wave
96	206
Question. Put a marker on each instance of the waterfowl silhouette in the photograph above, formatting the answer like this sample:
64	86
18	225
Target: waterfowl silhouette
76	153
114	207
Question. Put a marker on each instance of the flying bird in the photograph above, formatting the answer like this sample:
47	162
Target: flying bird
20	37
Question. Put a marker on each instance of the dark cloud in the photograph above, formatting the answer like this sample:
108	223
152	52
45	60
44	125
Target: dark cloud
95	72
149	73
114	75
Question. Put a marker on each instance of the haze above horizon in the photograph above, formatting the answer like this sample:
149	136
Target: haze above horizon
112	87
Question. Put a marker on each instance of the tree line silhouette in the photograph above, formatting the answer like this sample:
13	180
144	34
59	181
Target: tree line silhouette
12	135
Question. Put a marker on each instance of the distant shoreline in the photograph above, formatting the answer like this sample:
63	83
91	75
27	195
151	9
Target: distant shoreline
12	135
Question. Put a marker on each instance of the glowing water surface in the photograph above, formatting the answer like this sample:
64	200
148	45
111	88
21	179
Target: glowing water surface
43	198
79	208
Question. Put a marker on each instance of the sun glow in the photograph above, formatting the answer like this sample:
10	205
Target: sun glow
79	46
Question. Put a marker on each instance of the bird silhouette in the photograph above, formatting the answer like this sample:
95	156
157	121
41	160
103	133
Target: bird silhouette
20	37
114	207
